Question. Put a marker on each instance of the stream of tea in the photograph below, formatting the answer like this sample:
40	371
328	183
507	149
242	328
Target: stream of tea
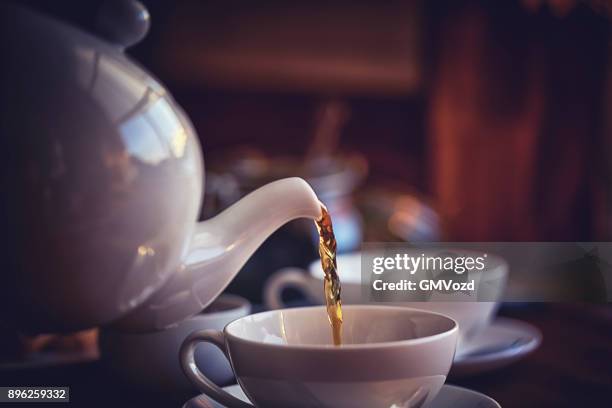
331	285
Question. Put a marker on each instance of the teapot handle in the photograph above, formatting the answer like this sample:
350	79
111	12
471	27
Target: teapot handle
194	374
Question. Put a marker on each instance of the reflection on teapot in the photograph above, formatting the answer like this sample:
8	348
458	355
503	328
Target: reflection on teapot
102	185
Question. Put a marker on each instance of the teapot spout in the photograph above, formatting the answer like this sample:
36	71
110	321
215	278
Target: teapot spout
219	248
243	227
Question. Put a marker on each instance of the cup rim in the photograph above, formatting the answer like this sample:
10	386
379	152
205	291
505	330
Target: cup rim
347	348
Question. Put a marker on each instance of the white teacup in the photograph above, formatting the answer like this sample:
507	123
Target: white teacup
472	317
150	359
390	356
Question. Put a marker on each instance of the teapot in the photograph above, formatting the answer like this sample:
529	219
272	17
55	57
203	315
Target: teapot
102	180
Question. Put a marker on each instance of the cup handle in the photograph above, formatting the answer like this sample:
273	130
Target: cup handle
286	277
191	370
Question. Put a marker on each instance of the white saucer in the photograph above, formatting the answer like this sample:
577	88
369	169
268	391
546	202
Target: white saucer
501	343
449	396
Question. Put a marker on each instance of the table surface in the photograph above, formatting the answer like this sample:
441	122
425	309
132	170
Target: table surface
572	367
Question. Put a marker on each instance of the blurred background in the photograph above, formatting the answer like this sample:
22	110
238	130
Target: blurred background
413	120
451	120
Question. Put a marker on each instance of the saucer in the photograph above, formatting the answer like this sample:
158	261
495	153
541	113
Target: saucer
449	396
503	342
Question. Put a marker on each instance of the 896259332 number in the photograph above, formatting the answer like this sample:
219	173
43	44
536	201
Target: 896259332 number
34	394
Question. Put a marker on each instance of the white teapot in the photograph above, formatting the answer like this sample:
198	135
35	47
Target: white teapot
102	182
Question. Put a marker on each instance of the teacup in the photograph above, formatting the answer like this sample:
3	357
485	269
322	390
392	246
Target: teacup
471	316
390	356
149	360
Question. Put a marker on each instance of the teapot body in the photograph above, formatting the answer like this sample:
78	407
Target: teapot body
102	177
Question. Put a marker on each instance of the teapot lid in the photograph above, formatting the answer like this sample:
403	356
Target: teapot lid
123	22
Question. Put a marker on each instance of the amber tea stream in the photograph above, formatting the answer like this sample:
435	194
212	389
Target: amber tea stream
331	285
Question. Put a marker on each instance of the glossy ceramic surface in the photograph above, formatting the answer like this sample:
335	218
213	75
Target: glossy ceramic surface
150	360
107	175
471	316
102	184
390	355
